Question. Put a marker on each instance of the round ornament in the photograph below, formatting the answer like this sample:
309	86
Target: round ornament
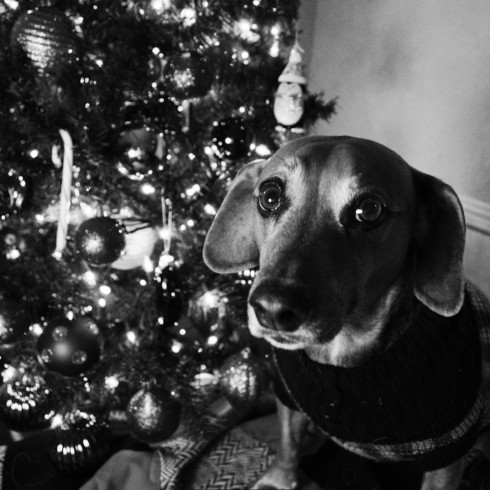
188	75
81	444
289	104
13	189
27	405
69	347
153	415
46	36
14	321
242	379
141	150
100	240
168	293
140	241
232	138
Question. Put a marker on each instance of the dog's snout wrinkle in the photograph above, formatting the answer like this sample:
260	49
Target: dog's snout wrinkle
280	307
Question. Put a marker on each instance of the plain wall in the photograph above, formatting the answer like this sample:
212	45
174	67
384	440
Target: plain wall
415	76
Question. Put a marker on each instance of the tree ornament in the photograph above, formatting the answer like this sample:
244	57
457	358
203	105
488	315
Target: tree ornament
141	150
69	347
162	11
81	444
140	242
46	36
289	99
232	138
188	75
153	415
168	291
242	378
14	321
27	405
100	240
13	190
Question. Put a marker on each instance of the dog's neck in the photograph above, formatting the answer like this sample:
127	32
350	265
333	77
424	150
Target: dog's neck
356	343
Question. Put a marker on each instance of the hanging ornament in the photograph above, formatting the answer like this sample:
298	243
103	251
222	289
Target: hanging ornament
14	321
153	415
242	378
13	190
140	242
69	347
141	150
26	405
188	75
81	444
46	36
232	138
168	291
100	240
161	11
289	99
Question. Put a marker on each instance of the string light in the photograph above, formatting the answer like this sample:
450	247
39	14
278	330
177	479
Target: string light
131	336
90	278
36	329
210	209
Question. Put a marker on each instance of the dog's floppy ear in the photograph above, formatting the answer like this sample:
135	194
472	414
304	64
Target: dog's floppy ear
439	246
230	244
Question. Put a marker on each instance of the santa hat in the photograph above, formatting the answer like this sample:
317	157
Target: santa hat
293	72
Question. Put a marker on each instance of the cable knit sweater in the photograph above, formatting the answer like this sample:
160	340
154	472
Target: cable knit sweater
423	399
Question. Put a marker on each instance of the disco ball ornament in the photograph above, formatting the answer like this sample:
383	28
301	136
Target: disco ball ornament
14	321
242	379
168	293
13	190
47	38
153	415
232	138
188	75
27	405
100	240
140	242
141	150
81	444
69	347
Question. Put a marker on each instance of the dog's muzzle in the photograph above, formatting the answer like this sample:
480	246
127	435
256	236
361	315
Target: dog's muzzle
281	307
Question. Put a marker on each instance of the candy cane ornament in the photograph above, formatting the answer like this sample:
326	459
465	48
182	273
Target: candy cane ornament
65	195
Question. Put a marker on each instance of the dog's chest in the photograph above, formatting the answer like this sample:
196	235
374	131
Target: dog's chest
419	389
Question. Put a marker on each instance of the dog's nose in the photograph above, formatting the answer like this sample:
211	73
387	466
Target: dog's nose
280	307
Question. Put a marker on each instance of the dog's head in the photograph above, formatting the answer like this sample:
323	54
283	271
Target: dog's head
340	228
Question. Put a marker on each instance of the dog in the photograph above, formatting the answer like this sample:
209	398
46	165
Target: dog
377	338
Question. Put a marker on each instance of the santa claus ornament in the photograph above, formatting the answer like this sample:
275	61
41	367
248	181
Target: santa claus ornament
289	99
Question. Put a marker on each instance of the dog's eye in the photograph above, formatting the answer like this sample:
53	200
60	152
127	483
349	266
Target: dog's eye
369	210
270	197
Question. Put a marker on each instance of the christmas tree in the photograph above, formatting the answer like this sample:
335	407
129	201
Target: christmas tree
122	123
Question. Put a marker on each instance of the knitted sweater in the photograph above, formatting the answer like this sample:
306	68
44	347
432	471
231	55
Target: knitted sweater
423	399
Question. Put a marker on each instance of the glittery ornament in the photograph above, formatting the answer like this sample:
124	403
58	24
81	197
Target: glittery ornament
100	240
242	378
153	415
81	444
232	138
69	347
46	36
141	150
188	75
13	189
14	321
161	11
168	293
26	405
140	241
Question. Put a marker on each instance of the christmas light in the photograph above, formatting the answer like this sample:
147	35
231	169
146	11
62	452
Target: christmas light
210	209
105	290
111	382
56	421
263	150
212	340
36	329
131	336
176	346
188	16
90	278
9	374
147	189
192	191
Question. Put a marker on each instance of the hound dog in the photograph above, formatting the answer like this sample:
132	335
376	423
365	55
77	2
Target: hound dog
377	338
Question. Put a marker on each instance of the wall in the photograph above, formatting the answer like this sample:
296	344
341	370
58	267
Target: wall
414	76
